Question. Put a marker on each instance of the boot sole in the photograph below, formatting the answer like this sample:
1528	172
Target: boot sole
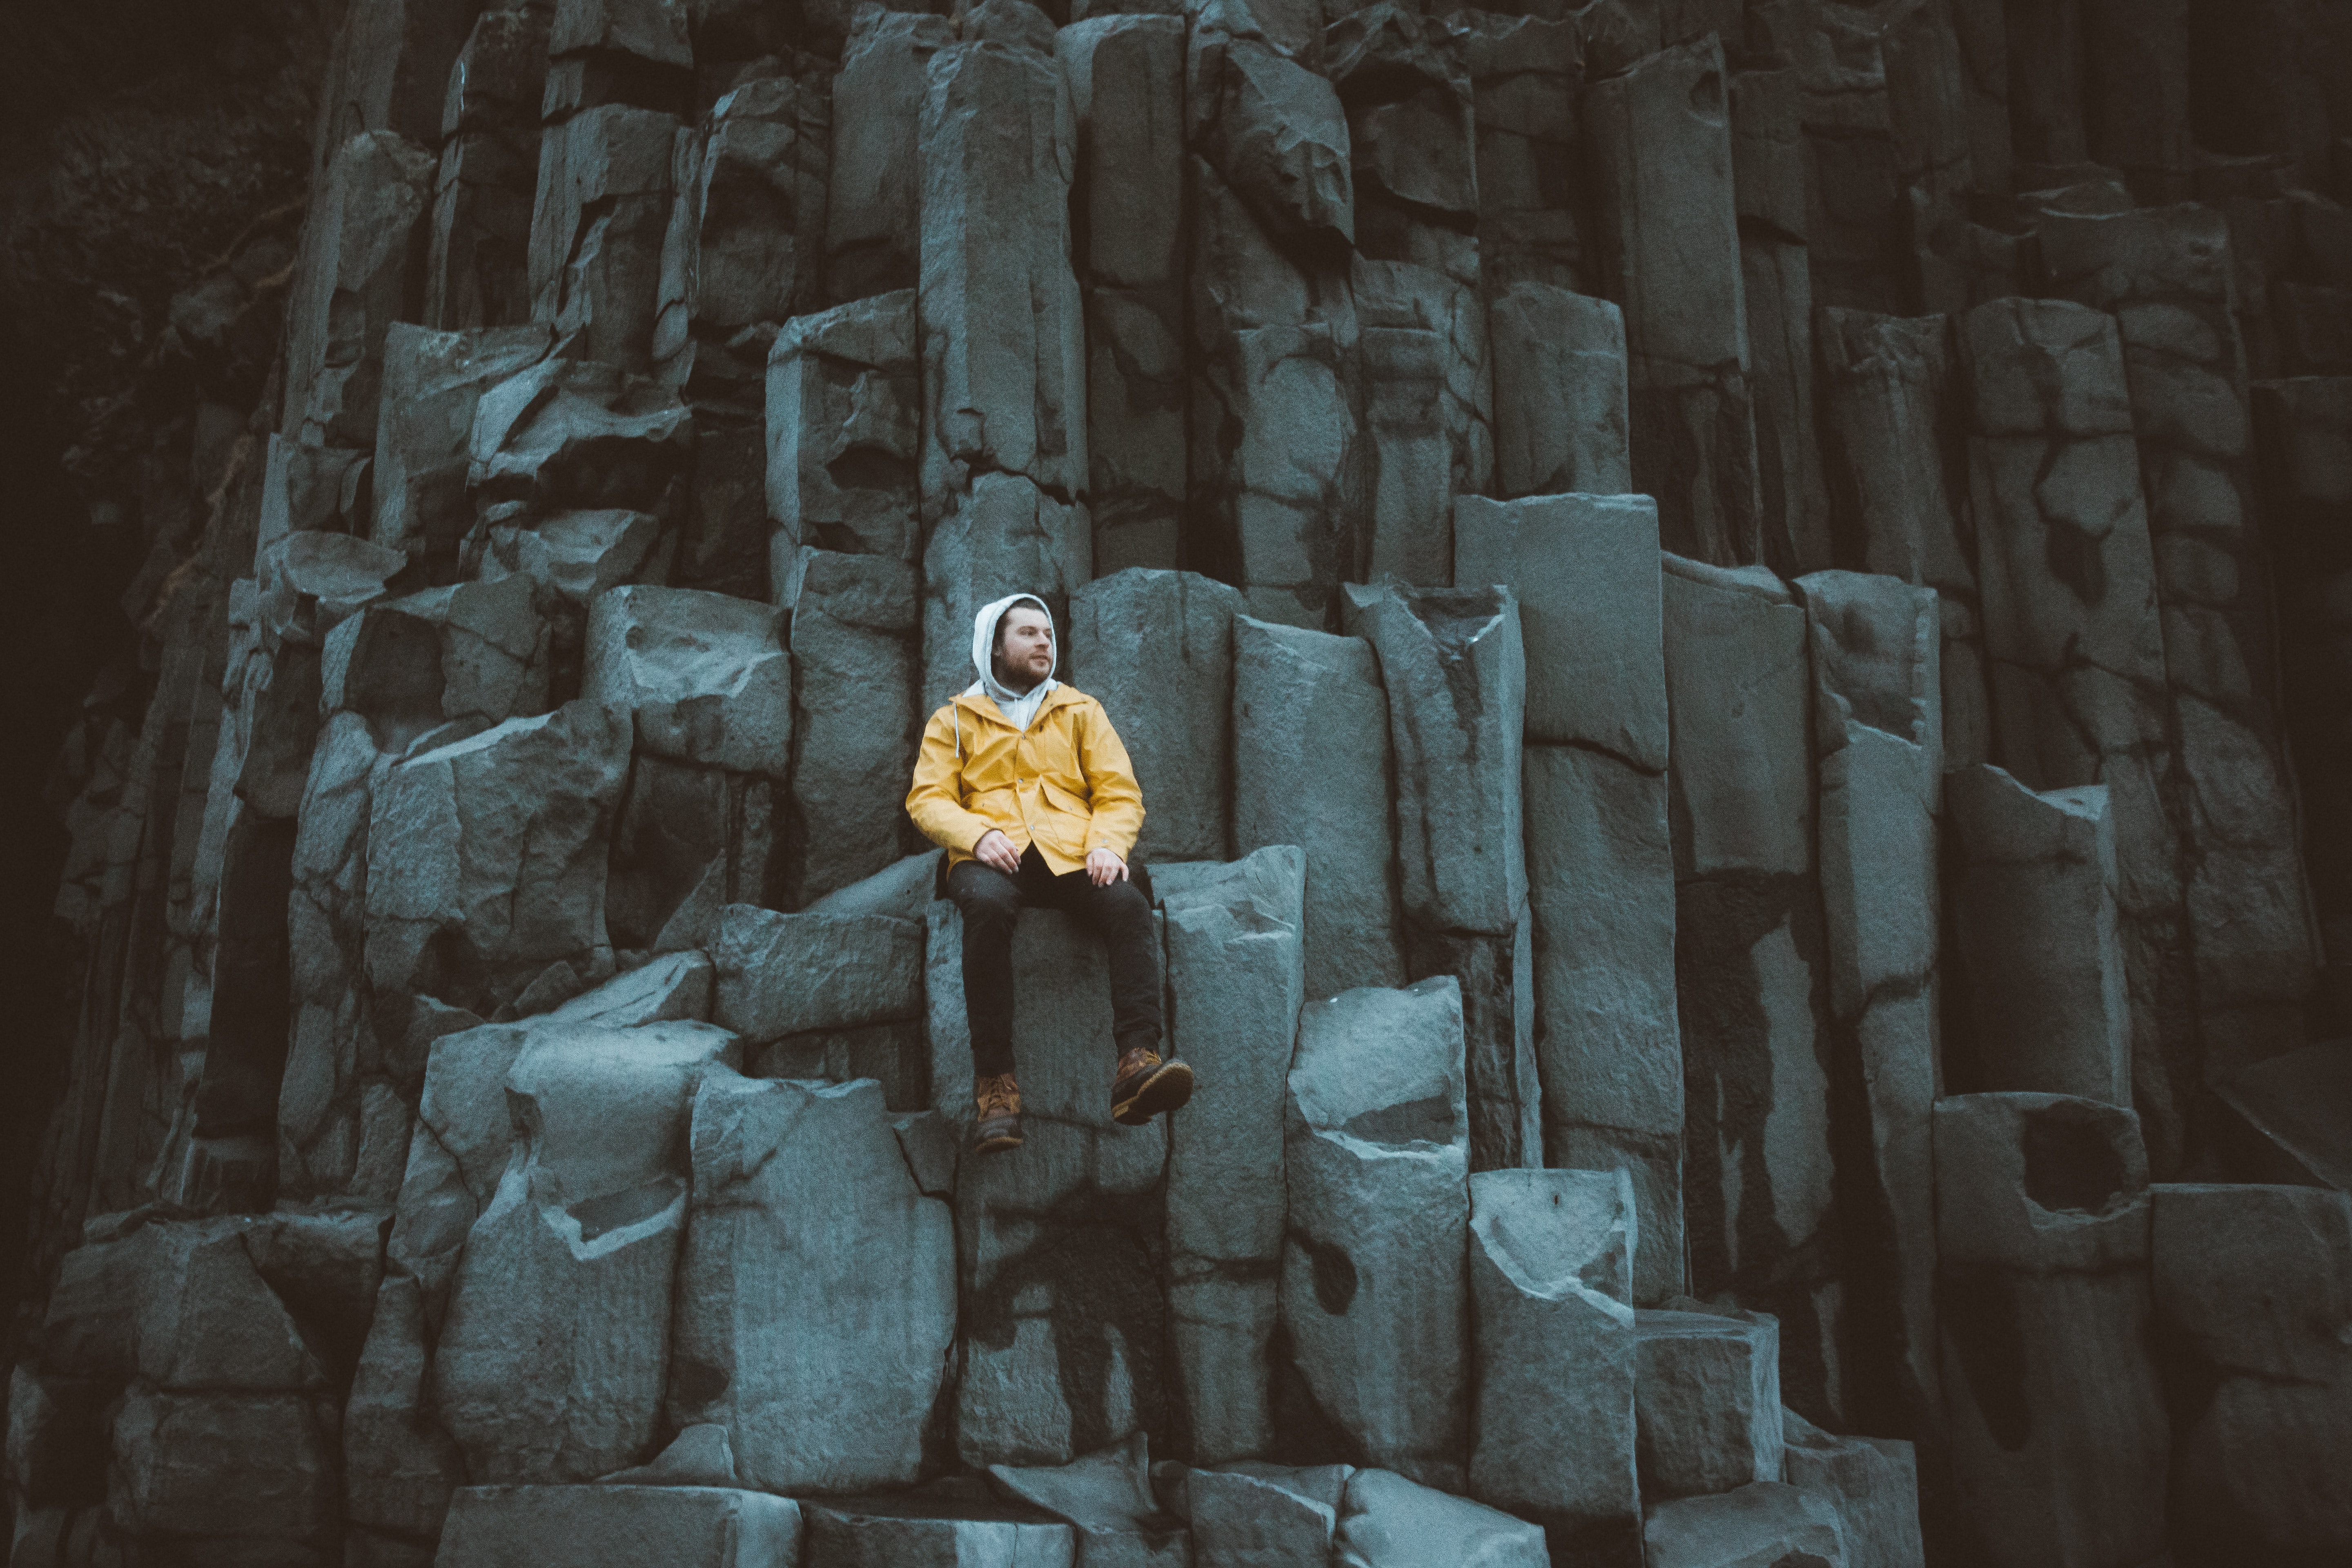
998	1141
1168	1087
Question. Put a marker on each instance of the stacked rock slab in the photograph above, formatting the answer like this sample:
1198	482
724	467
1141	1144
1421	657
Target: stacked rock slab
1236	950
1156	649
1750	955
1584	572
1551	1271
2052	1408
1659	137
1375	1295
1457	679
1313	767
2304	431
2164	273
1126	77
1878	732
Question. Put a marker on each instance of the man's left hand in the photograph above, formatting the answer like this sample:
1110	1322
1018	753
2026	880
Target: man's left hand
1103	867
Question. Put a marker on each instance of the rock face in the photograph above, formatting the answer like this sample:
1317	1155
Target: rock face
1374	1293
1733	617
1551	1271
819	1345
1237	946
2041	1238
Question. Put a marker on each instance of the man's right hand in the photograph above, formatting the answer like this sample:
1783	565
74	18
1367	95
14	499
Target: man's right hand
995	850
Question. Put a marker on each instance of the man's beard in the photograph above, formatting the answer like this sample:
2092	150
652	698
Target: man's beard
1020	682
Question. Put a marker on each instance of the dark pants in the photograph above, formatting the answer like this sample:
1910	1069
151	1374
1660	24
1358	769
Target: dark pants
1120	912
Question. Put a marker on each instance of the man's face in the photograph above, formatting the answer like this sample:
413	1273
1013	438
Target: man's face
1024	650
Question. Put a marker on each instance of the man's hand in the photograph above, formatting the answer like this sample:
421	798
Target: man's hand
996	850
1103	867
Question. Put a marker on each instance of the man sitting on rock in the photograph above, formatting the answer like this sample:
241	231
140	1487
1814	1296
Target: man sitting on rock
1024	783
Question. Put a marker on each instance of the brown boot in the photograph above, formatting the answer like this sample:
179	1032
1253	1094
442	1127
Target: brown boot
1145	1086
998	1125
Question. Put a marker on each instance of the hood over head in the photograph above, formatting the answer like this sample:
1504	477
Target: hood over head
983	641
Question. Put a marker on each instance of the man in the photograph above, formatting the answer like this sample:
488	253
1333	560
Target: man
1026	784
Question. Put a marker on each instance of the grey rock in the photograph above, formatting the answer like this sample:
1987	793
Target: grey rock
1527	76
927	1140
1156	648
2296	1109
1107	1499
855	634
1582	570
1006	536
787	974
1428	411
1777	294
1391	1522
322	489
2042	1237
311	582
1659	137
476	653
251	1478
1410	109
1277	448
1236	955
1893	428
432	382
551	1361
2301	425
2166	275
1272	129
1496	974
1047	1240
1706	1398
571	558
1002	328
521	887
700	1455
203	1321
399	1467
1455	673
1374	1288
455	1165
1601	894
2252	1467
817	1288
2055	466
675	986
2042	980
873	230
1551	1428
903	890
842	407
1872	1482
1877	732
1560	409
477	272
745	241
893	1055
1263	1516
387	70
1750	954
576	434
689	841
352	281
1312	768
607	181
1760	1525
704	676
1130	194
578	1527
57	1436
911	1530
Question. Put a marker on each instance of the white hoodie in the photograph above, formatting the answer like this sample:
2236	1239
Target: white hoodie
1021	707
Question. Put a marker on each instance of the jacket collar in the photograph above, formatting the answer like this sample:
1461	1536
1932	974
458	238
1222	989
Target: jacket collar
980	706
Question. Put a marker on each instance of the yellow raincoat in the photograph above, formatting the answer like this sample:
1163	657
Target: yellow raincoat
1063	785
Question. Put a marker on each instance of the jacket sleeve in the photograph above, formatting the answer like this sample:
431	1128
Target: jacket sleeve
936	801
1110	780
